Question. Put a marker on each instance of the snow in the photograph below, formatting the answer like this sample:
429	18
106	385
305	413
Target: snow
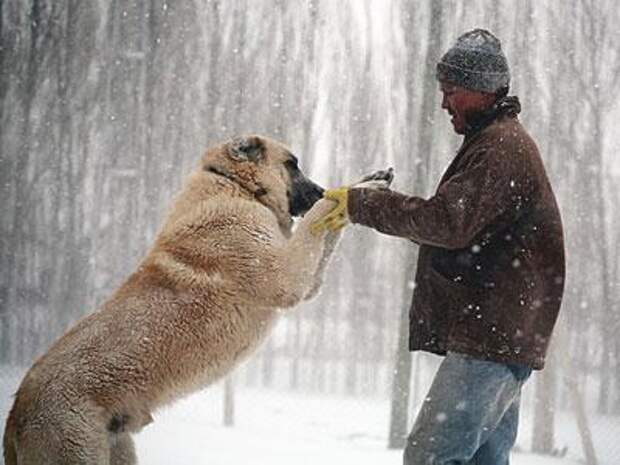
274	426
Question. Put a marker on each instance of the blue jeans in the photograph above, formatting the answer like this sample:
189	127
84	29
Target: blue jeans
470	415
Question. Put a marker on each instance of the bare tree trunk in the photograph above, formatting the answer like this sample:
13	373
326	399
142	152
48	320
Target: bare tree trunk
569	367
608	315
399	406
294	351
319	354
582	423
402	370
616	406
267	371
13	265
352	368
229	401
543	431
605	374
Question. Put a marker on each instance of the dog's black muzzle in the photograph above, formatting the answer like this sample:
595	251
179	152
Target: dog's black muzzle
304	193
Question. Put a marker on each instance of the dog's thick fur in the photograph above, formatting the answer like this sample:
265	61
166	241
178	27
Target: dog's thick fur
205	295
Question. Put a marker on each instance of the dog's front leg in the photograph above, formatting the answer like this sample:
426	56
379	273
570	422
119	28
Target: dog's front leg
305	255
331	241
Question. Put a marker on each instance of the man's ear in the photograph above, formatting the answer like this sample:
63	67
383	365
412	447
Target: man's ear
246	149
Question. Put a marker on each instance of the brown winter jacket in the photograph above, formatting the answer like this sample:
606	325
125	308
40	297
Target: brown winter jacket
490	272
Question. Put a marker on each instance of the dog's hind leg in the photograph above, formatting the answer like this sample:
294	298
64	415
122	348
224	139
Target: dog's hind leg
63	447
62	433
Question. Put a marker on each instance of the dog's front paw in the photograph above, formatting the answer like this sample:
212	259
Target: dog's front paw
320	209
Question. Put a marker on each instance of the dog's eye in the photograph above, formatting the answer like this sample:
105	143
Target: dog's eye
292	162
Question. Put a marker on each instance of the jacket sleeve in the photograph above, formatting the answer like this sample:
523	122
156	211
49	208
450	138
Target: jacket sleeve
492	190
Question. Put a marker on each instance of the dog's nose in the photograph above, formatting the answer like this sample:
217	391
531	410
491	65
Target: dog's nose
315	193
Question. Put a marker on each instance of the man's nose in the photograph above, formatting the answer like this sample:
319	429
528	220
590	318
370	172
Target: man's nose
444	103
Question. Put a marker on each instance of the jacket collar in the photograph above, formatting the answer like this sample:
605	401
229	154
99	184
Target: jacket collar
505	106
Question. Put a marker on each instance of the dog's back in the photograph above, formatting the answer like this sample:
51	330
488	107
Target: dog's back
8	442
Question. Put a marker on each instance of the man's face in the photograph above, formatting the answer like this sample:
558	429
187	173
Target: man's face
463	104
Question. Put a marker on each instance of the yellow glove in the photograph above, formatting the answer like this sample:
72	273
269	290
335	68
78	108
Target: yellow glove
336	218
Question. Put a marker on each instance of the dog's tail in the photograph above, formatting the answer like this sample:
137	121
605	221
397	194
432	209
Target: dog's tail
10	440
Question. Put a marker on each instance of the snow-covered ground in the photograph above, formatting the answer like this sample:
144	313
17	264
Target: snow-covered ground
277	427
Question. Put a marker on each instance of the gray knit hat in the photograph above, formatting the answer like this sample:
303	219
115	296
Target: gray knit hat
476	62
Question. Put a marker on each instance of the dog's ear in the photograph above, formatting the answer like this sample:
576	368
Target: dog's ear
246	149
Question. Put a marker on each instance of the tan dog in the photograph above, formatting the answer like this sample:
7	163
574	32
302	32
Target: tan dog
205	295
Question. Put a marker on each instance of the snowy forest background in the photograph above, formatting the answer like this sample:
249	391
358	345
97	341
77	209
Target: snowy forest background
105	106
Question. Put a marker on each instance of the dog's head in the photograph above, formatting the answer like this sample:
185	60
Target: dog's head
268	171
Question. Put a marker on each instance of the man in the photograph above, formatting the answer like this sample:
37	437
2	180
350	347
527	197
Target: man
490	272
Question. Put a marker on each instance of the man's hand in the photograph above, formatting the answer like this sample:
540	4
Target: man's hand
336	218
339	216
378	180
